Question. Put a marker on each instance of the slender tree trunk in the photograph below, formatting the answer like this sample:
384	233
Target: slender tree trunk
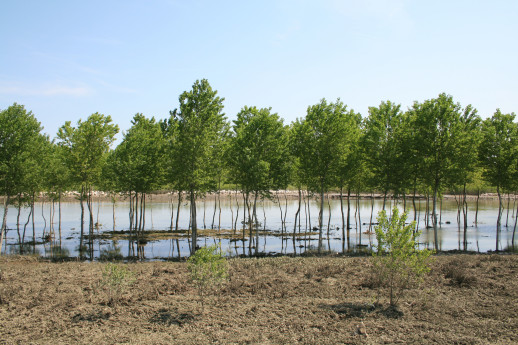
440	211
81	197
59	215
219	206
465	214
25	227
348	218
214	214
43	215
194	228
359	212
33	211
343	218
514	230
508	204
297	215
434	217
328	222
250	222
476	210
4	221
177	218
499	219
372	212
255	226
320	219
19	208
237	214
413	200
91	221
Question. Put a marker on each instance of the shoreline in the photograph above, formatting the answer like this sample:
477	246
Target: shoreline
162	196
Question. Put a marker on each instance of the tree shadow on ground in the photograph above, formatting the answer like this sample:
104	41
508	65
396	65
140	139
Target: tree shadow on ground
360	310
91	316
171	317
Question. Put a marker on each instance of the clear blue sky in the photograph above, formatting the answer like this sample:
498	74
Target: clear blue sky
65	60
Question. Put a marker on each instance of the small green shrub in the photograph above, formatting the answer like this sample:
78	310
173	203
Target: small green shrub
397	260
207	267
116	279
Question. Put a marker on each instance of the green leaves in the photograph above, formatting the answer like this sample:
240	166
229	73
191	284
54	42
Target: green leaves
498	149
137	164
20	140
86	146
397	260
258	154
319	141
199	124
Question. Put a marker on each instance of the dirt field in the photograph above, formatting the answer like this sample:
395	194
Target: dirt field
466	299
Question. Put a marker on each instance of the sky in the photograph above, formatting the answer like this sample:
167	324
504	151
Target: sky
65	60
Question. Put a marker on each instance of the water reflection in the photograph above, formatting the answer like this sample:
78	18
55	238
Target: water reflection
284	228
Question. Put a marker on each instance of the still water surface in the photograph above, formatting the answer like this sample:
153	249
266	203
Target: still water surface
480	238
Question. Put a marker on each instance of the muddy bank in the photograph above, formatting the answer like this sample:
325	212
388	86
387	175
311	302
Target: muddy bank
468	299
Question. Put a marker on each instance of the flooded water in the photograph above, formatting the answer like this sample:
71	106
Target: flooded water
221	216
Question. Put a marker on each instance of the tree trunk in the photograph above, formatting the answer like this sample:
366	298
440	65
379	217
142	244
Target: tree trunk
255	226
194	228
514	230
476	210
4	221
348	218
177	218
59	215
320	219
434	217
465	214
343	218
499	219
81	202
297	215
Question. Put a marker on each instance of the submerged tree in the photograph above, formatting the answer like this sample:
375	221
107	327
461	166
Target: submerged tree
465	158
436	121
86	147
199	123
498	156
137	166
382	151
319	141
19	134
258	157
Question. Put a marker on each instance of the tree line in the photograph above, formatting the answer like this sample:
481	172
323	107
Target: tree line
434	146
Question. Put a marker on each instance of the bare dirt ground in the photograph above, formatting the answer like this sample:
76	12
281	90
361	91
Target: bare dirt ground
466	299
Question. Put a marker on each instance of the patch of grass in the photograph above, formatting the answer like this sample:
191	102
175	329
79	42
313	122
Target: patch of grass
458	273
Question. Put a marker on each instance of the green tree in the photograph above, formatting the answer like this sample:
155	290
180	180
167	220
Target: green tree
258	157
137	166
498	156
382	151
397	260
435	122
465	158
199	124
352	171
319	142
19	134
86	147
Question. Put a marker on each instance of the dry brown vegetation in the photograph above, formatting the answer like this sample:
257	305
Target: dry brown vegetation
466	299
